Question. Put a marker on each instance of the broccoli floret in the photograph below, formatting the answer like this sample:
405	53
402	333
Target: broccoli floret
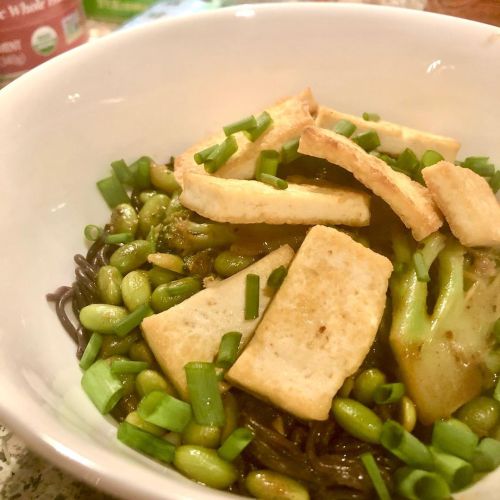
442	355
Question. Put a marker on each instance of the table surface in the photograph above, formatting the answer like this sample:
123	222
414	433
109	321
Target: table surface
24	475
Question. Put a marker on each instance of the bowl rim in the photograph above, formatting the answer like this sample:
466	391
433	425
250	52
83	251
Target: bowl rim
85	462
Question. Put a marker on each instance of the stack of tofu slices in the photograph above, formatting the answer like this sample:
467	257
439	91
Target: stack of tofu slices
316	330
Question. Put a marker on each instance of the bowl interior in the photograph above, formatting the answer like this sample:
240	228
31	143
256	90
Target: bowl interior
154	90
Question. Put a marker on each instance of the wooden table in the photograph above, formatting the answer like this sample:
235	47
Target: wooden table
486	11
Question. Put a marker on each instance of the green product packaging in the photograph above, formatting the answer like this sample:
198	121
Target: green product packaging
115	10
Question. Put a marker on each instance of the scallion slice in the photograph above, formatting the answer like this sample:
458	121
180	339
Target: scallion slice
277	277
122	171
388	393
116	239
345	128
91	351
128	366
371	117
420	267
456	472
140	169
204	394
487	455
92	232
143	441
264	121
480	165
367	140
405	445
133	320
221	155
202	156
228	350
418	484
252	296
165	411
289	151
242	125
431	157
235	443
374	472
382	156
112	191
267	163
495	182
102	387
407	162
454	437
273	181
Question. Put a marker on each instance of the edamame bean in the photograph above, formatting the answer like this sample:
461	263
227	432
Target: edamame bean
173	437
205	466
131	256
231	411
150	380
270	485
202	435
228	263
108	283
134	419
124	219
112	345
366	383
102	318
158	276
480	414
357	419
153	212
347	387
163	178
407	413
139	351
170	294
136	289
147	195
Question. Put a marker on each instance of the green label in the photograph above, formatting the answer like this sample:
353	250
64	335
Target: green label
115	10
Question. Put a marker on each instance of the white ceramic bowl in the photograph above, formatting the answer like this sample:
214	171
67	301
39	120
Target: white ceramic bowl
154	90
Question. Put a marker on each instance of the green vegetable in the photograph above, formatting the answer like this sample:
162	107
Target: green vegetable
273	181
420	267
139	351
267	163
407	413
231	413
163	178
131	255
205	466
371	467
136	290
235	443
357	419
456	472
91	351
228	263
495	181
122	172
371	117
201	435
289	151
140	169
345	128
168	261
271	485
221	155
184	287
277	277
102	387
455	438
162	299
415	484
431	157
109	282
126	366
264	121
153	213
144	196
487	455
480	165
124	219
367	140
150	380
102	318
133	418
158	276
481	415
203	155
112	191
407	162
92	232
113	345
228	350
252	296
119	238
388	393
366	383
245	124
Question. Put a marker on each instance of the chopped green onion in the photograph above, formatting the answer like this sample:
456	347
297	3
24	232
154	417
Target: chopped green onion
184	286
92	232
345	128
202	156
289	151
264	121
374	473
495	182
115	239
417	484
165	411
267	163
487	455
405	445
91	351
140	169
420	267
128	366
382	156
431	157
242	125
277	277
204	394
273	181
123	173
454	437
221	155
143	441
228	350
457	472
388	393
112	191
252	296
133	320
371	117
235	443
367	140
479	165
102	387
407	162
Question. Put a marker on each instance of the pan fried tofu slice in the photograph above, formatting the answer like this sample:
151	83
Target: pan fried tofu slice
192	330
290	117
410	201
467	202
248	202
319	327
394	138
